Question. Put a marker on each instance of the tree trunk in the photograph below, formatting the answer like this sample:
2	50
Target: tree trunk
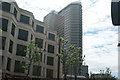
29	66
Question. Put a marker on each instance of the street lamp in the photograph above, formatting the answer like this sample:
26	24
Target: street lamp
58	74
115	12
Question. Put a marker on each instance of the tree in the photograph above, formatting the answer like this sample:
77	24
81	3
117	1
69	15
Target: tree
33	55
70	56
64	55
104	74
76	60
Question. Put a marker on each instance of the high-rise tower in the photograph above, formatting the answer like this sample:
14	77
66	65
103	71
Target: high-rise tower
73	23
67	23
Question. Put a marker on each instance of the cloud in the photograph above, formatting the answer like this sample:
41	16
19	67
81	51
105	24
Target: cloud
99	35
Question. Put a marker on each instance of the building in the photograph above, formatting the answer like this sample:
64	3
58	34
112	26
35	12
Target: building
84	71
68	22
19	27
73	23
54	21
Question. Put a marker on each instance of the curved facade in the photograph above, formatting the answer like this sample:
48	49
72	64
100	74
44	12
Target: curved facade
19	27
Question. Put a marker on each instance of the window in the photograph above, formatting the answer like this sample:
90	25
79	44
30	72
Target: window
50	61
4	23
50	48
36	70
13	29
3	41
31	37
39	42
15	12
32	24
40	29
11	46
19	67
44	58
43	72
51	36
6	6
24	19
1	61
8	64
21	50
49	73
23	35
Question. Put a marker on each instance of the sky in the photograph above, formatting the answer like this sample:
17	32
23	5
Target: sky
100	37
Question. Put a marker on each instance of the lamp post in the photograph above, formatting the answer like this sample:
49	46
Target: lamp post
58	74
115	15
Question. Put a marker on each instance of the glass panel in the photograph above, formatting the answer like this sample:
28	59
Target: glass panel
50	48
11	46
23	35
4	23
51	36
3	41
15	12
50	61
36	70
13	29
19	67
6	6
40	29
39	42
21	50
24	19
49	73
8	64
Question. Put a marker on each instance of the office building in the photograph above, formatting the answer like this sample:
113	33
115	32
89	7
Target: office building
68	24
19	27
54	21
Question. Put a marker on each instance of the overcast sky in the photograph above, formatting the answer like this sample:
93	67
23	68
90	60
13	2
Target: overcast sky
100	37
